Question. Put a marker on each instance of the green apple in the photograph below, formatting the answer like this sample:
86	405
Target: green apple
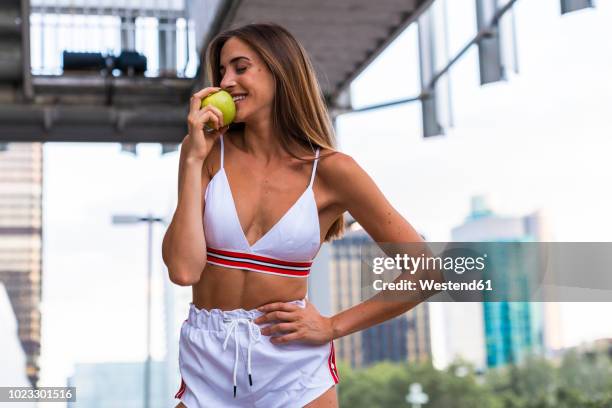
223	101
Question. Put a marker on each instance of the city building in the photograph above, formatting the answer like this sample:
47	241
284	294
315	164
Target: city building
119	384
319	290
21	242
404	338
12	358
500	332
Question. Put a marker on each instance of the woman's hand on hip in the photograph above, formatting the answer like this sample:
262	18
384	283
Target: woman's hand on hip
289	322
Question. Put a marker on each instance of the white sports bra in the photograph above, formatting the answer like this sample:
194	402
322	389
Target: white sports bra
287	249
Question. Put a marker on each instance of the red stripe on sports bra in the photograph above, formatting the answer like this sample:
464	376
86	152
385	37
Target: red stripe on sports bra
252	266
258	258
257	263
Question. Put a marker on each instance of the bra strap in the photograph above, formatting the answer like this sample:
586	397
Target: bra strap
222	151
314	168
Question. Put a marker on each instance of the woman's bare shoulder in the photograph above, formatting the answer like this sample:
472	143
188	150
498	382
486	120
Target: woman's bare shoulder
335	166
335	172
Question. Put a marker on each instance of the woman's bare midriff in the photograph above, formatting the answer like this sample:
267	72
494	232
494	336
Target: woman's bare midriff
228	289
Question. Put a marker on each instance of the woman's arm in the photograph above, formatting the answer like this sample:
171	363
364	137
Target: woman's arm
184	246
356	192
359	195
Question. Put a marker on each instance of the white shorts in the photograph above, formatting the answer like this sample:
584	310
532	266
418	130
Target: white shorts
225	361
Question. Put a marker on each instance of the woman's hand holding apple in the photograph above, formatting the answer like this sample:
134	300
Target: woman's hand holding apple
198	142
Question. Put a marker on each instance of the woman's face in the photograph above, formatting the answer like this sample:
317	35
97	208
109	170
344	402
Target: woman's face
244	72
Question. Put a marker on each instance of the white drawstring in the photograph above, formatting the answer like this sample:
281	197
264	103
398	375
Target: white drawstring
254	335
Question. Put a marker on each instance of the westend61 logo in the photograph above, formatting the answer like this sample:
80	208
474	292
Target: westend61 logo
459	264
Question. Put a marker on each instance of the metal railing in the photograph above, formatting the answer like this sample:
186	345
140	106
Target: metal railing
158	29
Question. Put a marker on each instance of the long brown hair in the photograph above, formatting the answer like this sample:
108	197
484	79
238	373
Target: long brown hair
299	111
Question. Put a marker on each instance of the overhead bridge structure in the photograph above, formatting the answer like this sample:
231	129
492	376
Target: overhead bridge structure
43	103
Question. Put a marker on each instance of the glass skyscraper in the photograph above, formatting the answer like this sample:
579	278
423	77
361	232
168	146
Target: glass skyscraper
511	329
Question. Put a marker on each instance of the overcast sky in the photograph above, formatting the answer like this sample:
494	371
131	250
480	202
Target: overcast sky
539	141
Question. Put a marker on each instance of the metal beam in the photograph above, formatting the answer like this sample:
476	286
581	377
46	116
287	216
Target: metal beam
340	111
124	12
99	90
482	33
485	31
427	65
567	6
128	33
11	42
293	17
28	90
489	47
11	61
167	47
10	22
26	123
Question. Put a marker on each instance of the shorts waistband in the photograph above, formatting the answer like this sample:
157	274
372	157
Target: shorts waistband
217	319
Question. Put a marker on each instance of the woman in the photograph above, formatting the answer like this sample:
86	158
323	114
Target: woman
270	188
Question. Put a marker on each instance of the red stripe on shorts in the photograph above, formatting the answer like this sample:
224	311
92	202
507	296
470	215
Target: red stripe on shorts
331	362
181	390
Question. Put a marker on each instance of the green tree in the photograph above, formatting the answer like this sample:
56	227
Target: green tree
385	385
577	381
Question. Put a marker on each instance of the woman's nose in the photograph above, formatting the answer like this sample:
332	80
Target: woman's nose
227	82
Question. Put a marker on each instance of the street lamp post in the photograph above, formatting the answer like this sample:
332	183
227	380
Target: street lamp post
416	396
149	219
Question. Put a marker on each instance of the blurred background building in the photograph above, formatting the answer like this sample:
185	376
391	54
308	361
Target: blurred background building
21	197
117	385
13	359
491	334
404	338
